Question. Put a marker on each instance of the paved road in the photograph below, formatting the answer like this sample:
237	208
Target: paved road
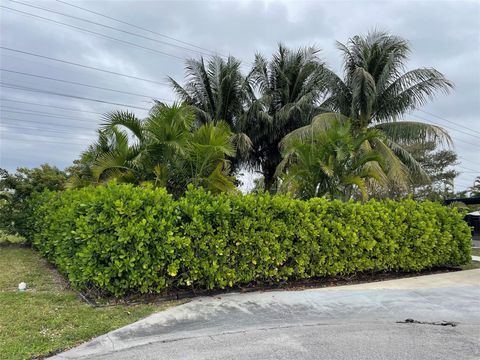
350	322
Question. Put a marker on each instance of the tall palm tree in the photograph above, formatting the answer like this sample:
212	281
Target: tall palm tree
289	88
217	91
376	91
376	88
328	158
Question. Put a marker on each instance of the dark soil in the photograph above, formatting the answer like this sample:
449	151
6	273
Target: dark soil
96	298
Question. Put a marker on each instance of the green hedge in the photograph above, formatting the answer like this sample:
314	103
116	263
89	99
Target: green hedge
122	238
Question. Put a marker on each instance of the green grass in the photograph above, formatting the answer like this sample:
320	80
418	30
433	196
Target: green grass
6	238
48	317
473	264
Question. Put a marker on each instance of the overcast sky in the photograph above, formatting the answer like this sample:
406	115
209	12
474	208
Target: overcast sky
442	34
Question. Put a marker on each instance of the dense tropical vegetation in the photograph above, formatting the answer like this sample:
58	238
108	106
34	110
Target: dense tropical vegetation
275	120
218	92
165	149
289	87
303	128
376	91
328	158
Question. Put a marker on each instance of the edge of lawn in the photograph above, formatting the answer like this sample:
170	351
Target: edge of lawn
49	317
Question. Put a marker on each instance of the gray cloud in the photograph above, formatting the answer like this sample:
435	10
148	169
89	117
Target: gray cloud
442	34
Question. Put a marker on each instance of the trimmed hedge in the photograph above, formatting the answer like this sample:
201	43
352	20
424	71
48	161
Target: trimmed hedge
123	239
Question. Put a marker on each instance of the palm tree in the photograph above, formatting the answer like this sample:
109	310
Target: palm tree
289	87
205	161
109	156
215	90
375	87
218	92
165	149
376	91
328	158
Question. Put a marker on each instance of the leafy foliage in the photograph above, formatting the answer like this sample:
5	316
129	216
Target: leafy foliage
165	149
376	91
289	87
123	238
437	164
218	92
277	97
330	160
385	166
16	189
376	88
474	190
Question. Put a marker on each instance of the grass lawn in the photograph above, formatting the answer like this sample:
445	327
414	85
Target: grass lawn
472	264
48	317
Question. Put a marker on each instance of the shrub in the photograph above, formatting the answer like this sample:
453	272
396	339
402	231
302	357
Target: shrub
123	239
17	188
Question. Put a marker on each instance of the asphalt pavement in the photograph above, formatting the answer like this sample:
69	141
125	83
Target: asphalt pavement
365	321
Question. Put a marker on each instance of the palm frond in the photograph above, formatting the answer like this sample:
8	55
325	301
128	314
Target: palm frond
243	144
413	132
409	91
109	165
320	123
126	120
218	181
363	93
414	168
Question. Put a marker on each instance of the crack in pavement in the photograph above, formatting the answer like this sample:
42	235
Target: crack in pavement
109	338
439	323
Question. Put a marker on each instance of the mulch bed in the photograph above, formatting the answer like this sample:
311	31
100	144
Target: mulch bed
95	297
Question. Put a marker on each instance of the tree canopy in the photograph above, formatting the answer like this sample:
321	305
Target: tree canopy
304	128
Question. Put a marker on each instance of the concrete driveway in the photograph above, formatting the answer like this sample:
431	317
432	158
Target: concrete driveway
349	322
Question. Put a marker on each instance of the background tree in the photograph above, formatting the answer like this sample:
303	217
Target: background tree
438	165
289	87
474	190
15	189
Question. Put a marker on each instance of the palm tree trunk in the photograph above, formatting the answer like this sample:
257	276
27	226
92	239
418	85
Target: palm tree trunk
268	177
